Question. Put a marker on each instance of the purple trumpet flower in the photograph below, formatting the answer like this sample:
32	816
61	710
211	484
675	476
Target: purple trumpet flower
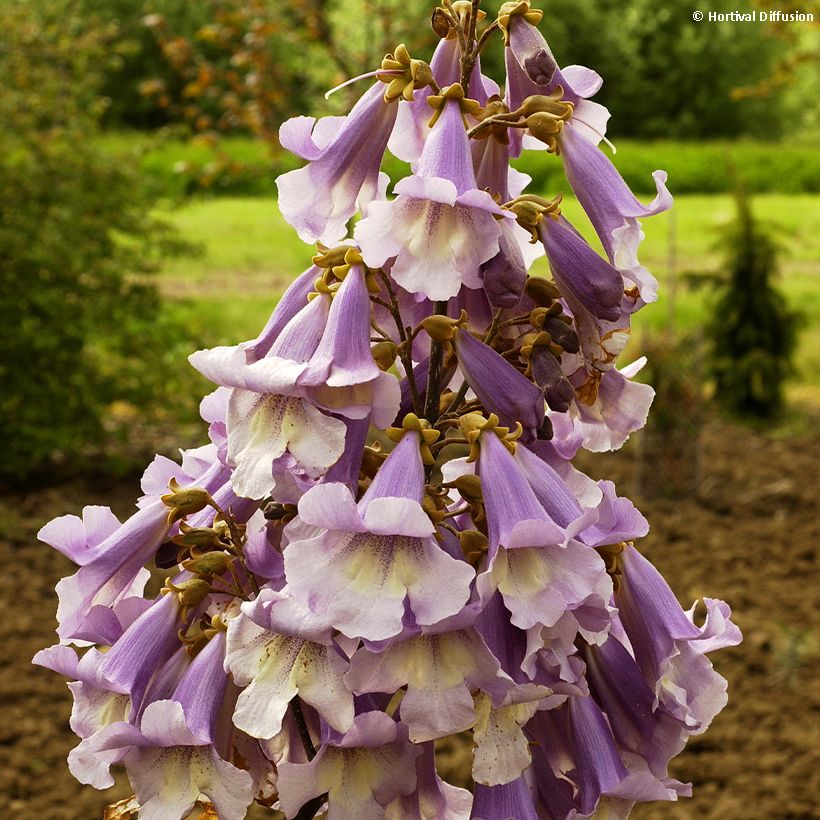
279	411
130	664
669	649
441	668
277	649
369	562
432	797
441	228
611	207
342	175
533	70
112	559
539	569
499	386
639	725
171	757
508	801
576	742
611	407
362	772
580	272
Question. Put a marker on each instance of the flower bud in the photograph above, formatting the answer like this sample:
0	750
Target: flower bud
440	23
183	502
469	487
443	328
211	563
384	353
279	513
542	291
189	593
203	538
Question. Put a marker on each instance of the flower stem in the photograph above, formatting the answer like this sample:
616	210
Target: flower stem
309	810
301	725
406	348
431	404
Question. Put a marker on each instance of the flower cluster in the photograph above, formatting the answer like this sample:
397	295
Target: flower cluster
385	541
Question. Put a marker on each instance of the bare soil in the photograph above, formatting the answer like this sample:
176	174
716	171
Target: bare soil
747	535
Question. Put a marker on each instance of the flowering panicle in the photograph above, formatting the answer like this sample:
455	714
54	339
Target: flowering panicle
385	541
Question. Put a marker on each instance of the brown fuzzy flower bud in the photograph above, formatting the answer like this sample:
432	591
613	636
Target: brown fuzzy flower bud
542	291
211	563
384	354
184	501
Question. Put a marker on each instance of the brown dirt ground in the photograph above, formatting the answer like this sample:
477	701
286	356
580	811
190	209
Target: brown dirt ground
748	535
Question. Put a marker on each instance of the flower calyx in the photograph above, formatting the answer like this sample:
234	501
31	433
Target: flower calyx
473	425
196	637
474	545
558	326
411	423
372	459
544	115
183	501
384	354
404	75
189	593
529	210
542	291
491	121
279	514
443	329
330	257
531	341
452	92
202	538
445	21
517	8
353	257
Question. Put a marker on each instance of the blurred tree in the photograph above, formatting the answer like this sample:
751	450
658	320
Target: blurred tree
793	78
134	55
752	332
246	63
80	317
667	75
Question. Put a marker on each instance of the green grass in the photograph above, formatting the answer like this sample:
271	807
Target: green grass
249	255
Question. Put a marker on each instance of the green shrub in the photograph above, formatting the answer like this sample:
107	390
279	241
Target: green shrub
83	326
752	332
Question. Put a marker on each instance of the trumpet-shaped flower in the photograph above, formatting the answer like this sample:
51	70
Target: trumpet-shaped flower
539	569
362	772
439	670
342	175
279	413
441	228
371	561
668	647
277	650
170	756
